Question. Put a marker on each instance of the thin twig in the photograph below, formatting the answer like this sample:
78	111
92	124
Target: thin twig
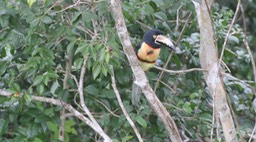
71	75
177	19
253	131
183	28
81	95
111	112
229	30
162	72
248	49
170	56
81	92
69	7
179	71
165	85
123	108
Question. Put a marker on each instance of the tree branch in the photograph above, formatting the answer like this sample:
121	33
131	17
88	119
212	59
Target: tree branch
170	56
68	107
139	75
82	103
123	108
179	71
228	33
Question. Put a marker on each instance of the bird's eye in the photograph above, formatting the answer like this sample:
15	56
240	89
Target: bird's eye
154	36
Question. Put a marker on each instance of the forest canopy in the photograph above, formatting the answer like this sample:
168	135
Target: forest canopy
65	76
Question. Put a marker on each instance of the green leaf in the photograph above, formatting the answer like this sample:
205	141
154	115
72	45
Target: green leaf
88	16
147	9
104	70
38	80
187	108
71	45
69	127
52	126
51	74
90	89
76	18
127	138
193	95
16	87
233	39
38	140
96	69
32	130
107	57
54	87
141	121
161	15
159	2
47	20
83	48
3	126
3	65
78	63
40	89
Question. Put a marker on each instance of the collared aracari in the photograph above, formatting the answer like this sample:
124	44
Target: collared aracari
147	54
149	48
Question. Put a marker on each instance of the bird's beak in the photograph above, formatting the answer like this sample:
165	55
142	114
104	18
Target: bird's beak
160	39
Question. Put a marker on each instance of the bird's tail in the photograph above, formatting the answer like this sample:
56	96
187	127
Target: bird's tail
136	92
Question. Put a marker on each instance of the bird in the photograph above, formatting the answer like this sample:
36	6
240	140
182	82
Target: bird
147	53
150	47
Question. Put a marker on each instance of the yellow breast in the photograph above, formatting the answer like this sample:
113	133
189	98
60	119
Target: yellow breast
147	56
148	53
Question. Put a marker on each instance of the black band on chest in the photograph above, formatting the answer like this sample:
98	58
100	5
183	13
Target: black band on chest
146	61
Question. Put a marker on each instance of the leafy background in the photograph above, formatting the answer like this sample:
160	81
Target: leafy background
38	36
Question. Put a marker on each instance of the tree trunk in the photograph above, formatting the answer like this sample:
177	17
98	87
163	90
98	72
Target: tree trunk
209	61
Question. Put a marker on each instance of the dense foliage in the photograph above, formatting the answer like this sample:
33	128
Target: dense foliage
39	37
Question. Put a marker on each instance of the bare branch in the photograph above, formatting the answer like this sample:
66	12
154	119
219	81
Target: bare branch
111	112
253	132
248	47
170	56
228	33
81	95
173	91
5	93
68	107
69	7
123	108
162	72
179	71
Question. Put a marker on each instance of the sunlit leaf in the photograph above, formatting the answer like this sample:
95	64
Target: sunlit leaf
30	2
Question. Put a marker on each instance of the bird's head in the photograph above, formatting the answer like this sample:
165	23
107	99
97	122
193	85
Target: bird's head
155	39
